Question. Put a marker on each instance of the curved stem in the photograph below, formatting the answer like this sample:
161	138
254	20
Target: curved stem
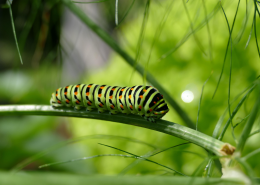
209	143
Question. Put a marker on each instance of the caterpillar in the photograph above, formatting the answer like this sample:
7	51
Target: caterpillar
145	101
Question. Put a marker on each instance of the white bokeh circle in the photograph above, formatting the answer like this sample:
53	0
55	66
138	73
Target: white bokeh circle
187	96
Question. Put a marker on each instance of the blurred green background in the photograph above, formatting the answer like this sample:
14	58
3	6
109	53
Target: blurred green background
58	50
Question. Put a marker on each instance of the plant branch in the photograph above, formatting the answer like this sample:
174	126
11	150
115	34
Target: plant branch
207	142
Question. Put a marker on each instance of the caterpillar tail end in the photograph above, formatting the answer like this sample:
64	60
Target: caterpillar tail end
54	103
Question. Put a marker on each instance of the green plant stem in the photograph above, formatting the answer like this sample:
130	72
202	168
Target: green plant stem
248	127
234	113
112	43
50	178
110	155
13	27
37	156
255	132
209	143
251	154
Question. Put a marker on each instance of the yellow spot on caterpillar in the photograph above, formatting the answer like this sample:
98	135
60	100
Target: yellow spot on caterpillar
101	105
99	95
112	106
129	96
131	106
102	87
141	96
132	88
87	93
77	102
77	85
67	101
120	97
113	89
59	101
89	103
65	93
144	90
110	97
76	93
89	86
122	89
121	106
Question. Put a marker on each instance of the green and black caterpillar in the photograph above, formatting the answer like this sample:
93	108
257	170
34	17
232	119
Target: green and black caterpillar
145	101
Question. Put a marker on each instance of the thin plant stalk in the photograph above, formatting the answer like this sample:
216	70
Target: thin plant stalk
248	127
13	27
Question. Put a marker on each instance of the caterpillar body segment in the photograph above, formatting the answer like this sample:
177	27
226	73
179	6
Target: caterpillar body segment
145	101
77	100
111	99
121	97
88	96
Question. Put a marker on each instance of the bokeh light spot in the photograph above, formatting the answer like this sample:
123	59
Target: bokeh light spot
187	96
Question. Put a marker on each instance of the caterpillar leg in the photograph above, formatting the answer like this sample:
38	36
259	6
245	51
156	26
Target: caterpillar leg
55	105
78	107
113	112
88	109
149	118
101	111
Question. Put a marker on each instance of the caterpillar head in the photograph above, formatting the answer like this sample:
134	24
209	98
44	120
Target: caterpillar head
161	110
